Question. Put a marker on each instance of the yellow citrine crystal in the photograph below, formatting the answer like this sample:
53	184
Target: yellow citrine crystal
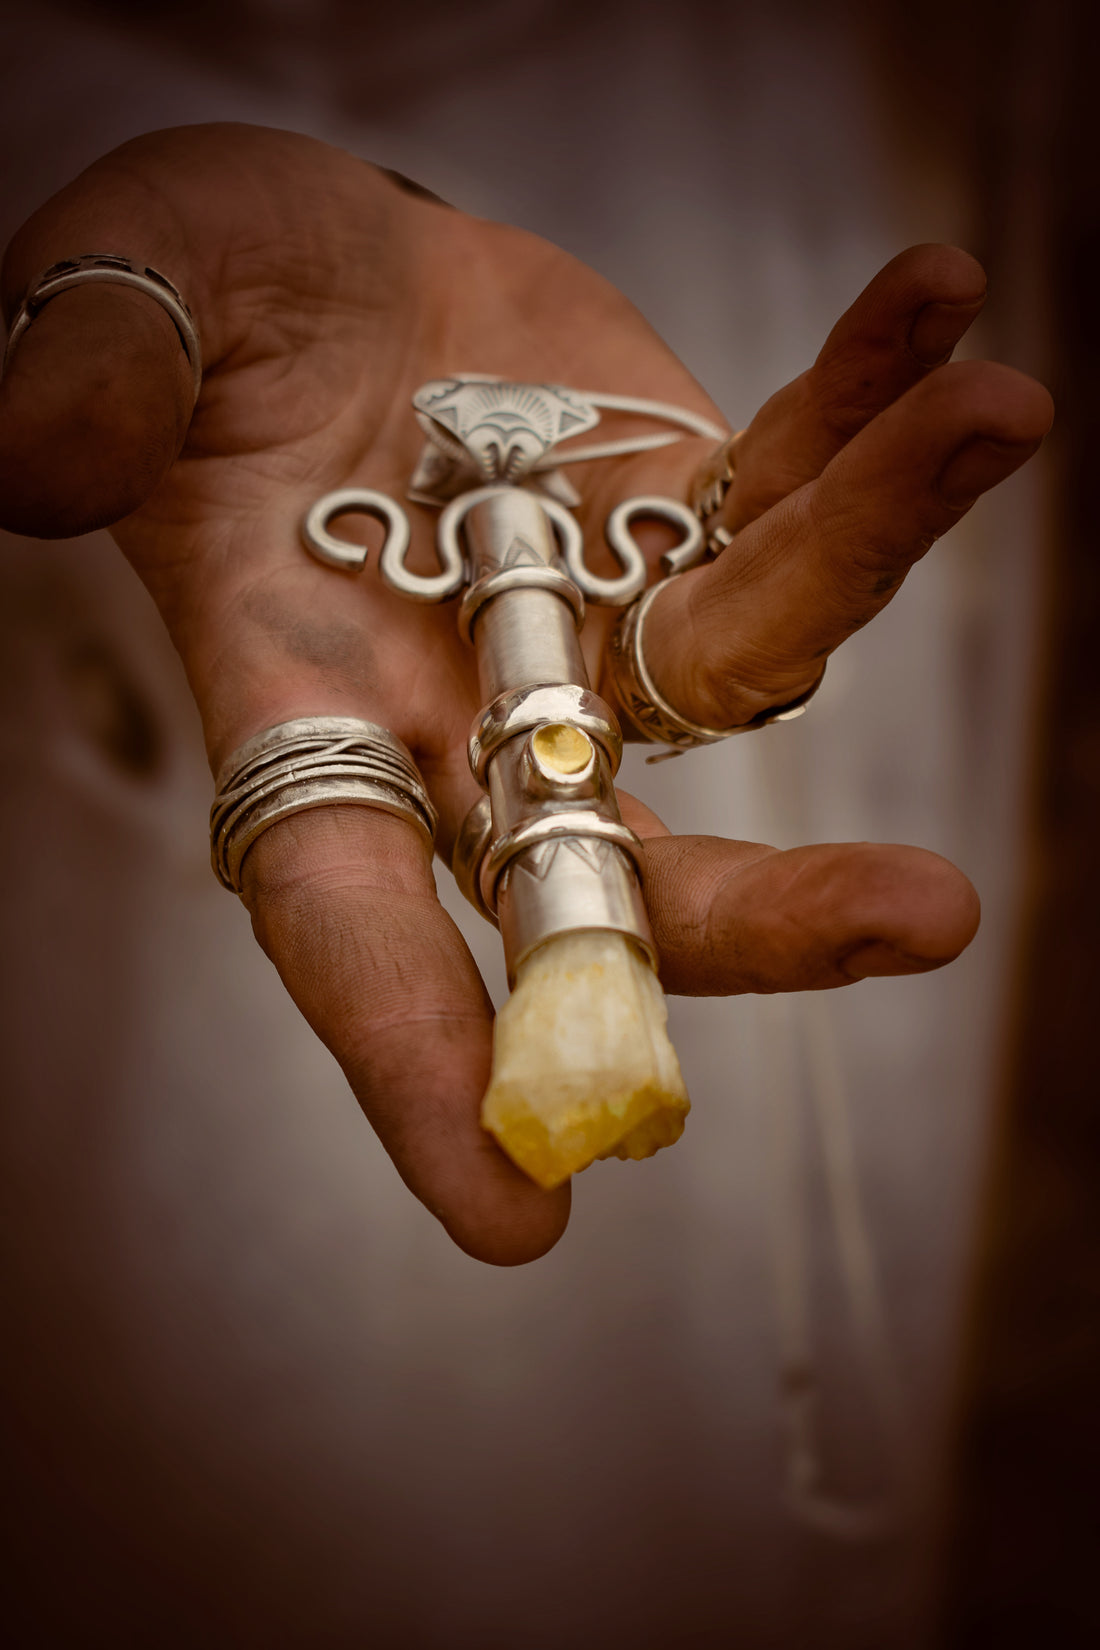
582	1063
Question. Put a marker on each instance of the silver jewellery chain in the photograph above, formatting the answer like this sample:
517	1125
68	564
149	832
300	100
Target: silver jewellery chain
113	269
311	762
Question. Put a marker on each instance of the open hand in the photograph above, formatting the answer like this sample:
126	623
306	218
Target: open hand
325	294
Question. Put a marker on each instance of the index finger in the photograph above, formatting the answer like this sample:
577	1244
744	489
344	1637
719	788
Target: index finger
903	324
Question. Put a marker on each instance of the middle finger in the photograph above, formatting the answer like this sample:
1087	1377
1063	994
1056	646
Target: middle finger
904	324
727	642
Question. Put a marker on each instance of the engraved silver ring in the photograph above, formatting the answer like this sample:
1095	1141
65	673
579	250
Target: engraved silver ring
646	708
113	269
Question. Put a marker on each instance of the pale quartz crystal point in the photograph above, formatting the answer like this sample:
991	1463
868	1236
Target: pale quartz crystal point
582	1064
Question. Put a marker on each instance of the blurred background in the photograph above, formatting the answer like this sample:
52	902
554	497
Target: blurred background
827	1374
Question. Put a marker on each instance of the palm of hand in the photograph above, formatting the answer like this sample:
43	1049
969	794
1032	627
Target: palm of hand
314	363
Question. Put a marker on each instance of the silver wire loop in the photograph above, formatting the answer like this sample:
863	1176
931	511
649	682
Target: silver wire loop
613	592
311	762
688	553
113	269
692	423
334	551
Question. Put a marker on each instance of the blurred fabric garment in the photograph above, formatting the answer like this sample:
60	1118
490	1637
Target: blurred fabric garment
253	1395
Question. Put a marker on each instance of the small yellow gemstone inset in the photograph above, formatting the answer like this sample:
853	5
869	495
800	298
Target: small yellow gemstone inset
561	749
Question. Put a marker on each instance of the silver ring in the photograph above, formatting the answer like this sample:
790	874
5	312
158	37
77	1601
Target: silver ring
580	822
113	268
710	489
475	837
311	762
647	708
519	710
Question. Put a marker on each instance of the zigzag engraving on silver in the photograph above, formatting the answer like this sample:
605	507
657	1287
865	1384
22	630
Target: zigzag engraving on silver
546	851
502	429
115	269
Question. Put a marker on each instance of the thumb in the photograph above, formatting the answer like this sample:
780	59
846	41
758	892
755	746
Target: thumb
97	393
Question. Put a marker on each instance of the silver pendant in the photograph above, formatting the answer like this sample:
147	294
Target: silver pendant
545	748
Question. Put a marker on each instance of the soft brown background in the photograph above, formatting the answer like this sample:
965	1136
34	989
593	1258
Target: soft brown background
251	1395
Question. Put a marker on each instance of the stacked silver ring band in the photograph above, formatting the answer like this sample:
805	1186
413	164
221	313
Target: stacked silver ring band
311	762
116	270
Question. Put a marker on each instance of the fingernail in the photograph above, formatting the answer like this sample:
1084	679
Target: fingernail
979	465
878	957
938	328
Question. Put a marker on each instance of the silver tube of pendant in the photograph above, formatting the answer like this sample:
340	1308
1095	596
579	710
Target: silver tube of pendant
546	747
